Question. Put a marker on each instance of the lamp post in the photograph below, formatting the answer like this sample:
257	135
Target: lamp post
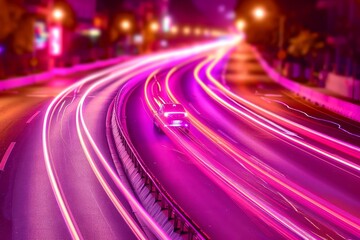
259	13
126	26
55	35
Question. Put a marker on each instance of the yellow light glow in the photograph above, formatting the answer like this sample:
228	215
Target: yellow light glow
125	25
197	31
174	30
154	27
58	14
240	24
259	13
186	30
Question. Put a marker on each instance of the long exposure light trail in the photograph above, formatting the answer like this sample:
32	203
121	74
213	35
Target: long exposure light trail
105	162
61	200
325	208
349	148
261	206
257	205
58	100
321	206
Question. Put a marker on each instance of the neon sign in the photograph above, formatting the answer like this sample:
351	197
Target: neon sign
55	36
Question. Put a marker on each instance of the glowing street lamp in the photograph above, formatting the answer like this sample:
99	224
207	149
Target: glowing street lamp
174	30
197	31
240	25
58	14
186	30
125	25
154	27
259	13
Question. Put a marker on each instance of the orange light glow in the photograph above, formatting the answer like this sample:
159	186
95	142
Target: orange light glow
58	14
125	25
259	13
186	30
174	30
154	27
240	25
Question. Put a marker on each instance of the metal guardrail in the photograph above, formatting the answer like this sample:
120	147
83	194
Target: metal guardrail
182	223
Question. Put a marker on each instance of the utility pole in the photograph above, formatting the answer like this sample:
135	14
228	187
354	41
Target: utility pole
51	59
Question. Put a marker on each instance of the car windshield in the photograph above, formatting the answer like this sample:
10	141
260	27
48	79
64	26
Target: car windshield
174	110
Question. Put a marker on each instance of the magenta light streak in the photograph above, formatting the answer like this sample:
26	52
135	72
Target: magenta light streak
60	198
297	126
261	208
324	208
145	216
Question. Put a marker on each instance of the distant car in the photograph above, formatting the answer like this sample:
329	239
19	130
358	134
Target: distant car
171	115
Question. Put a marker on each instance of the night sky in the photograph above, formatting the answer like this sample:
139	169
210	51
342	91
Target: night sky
214	12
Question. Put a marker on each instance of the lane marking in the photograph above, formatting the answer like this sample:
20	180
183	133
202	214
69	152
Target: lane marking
193	107
32	117
6	156
227	136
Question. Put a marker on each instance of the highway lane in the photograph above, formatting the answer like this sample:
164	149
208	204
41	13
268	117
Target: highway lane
325	187
59	180
28	207
259	89
25	193
243	136
205	202
222	173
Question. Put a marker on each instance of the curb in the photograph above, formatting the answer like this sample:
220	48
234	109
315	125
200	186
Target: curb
45	76
344	108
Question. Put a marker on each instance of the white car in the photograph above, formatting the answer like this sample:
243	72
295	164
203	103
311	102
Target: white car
171	115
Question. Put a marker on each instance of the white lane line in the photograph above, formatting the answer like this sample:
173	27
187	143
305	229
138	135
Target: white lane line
192	106
227	136
33	116
6	156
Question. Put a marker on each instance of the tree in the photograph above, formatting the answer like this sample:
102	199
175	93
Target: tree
304	44
69	20
17	27
10	16
23	36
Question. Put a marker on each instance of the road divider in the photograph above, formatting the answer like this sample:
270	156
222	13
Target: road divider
153	196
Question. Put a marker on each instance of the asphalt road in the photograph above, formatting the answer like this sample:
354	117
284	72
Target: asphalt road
258	163
292	168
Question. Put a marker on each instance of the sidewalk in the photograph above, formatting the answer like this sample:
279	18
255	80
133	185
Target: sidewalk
321	96
57	72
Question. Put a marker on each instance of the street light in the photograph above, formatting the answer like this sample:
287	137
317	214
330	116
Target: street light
240	25
197	31
125	25
154	27
174	30
259	13
186	30
58	14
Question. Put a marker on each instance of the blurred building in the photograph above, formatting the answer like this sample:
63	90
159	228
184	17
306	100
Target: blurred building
85	9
